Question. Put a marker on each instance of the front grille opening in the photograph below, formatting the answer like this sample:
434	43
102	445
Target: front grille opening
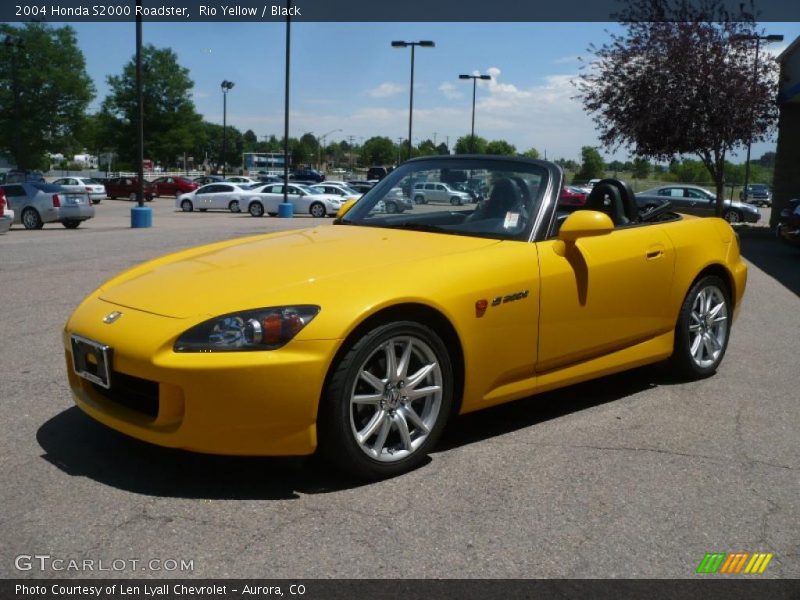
132	392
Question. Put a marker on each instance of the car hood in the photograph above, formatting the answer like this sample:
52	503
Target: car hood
229	276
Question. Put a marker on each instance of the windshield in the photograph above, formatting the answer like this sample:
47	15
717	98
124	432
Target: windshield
502	203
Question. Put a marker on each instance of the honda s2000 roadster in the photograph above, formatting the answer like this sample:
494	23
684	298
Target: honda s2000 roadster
358	340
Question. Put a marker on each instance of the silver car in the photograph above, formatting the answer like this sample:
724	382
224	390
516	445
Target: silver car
439	192
694	200
35	204
96	190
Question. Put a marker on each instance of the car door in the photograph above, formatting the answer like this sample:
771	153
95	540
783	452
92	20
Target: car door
604	293
701	203
222	196
299	199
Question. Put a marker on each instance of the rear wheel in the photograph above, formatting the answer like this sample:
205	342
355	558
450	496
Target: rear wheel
187	206
703	329
71	223
234	206
317	209
391	207
419	199
387	401
256	209
30	219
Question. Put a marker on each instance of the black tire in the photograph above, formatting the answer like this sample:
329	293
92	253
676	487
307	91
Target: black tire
187	206
95	201
336	422
682	357
391	207
233	206
455	200
273	214
732	216
113	197
317	209
71	223
419	199
256	209
31	219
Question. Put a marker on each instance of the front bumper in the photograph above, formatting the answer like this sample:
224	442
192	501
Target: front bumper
242	403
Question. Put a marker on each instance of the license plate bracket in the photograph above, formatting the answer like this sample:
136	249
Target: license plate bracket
92	360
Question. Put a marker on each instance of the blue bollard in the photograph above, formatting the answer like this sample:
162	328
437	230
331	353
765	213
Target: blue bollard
141	216
285	210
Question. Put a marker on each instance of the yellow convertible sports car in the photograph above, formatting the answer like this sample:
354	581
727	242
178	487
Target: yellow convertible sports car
265	346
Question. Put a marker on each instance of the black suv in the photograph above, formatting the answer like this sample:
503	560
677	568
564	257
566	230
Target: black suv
307	175
378	172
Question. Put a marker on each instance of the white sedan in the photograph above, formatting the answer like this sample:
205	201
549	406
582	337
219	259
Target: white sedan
241	180
95	189
214	196
342	190
304	199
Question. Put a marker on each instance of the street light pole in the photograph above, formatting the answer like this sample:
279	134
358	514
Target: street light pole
226	87
474	86
402	44
758	39
320	141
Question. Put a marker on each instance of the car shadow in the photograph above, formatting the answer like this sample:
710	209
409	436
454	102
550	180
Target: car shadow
778	260
82	447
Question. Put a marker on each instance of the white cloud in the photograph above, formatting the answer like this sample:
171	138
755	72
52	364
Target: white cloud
387	88
450	91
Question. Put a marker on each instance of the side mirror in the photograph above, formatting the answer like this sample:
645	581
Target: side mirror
585	223
344	208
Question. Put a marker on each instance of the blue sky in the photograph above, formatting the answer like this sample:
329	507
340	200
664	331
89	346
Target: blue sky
346	76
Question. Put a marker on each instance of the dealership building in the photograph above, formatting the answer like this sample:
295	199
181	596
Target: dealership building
786	184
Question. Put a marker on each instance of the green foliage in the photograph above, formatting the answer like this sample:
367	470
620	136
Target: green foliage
641	168
378	150
500	147
171	124
592	165
53	91
467	145
531	153
426	148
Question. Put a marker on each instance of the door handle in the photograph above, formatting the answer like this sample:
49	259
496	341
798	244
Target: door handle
656	253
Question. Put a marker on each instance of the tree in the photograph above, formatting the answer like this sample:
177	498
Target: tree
466	145
442	149
171	124
677	82
592	165
641	168
426	148
378	150
501	147
531	153
46	75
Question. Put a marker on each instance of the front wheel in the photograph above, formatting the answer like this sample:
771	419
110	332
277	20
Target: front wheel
391	208
31	219
703	329
455	201
387	400
317	210
187	206
732	216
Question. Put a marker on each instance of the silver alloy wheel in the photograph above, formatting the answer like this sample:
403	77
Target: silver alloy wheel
317	210
186	206
234	206
395	401
708	326
732	216
30	218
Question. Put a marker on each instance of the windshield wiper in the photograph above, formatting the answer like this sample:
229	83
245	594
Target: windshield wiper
418	227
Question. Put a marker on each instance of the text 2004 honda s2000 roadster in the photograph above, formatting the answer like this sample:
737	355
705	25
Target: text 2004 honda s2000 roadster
267	346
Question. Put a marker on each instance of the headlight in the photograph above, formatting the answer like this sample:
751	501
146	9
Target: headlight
259	329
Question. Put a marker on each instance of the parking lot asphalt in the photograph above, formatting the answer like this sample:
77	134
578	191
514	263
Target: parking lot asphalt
634	475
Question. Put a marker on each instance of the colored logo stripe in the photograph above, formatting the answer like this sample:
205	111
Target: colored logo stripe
734	563
711	563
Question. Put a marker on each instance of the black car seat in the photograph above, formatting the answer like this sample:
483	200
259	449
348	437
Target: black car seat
505	197
616	199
